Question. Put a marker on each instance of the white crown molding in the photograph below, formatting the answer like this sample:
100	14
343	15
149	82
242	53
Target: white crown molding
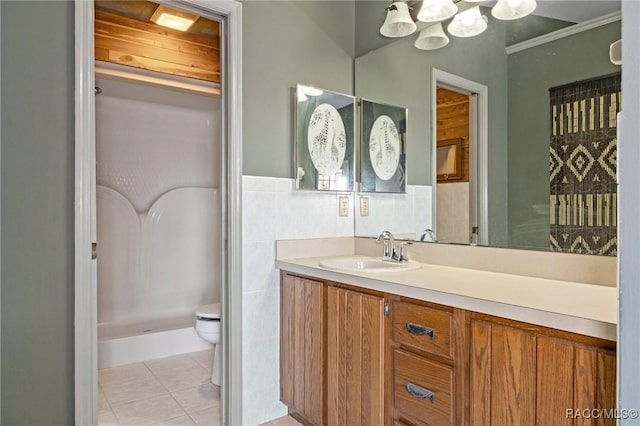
565	32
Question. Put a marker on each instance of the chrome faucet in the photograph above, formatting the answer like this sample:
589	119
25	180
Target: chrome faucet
430	234
389	245
390	252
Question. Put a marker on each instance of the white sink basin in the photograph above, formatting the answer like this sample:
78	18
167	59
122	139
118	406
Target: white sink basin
366	264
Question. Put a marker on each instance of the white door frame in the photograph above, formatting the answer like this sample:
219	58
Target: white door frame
85	309
479	131
628	368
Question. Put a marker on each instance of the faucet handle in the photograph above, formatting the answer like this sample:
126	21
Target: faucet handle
401	257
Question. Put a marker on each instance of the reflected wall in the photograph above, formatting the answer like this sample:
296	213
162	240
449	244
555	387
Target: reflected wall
519	121
400	74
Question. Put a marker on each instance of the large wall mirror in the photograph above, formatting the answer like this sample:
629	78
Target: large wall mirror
536	168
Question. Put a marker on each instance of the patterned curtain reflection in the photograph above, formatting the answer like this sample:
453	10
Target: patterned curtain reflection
583	186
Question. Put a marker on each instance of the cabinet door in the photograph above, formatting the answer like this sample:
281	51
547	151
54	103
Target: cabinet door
519	377
301	347
355	358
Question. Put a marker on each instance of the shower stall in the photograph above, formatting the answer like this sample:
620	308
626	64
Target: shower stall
158	163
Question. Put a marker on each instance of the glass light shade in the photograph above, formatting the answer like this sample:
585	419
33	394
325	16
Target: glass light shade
398	22
513	9
431	38
468	23
615	52
437	10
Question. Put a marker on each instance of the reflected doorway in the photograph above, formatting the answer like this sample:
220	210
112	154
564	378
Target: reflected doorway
452	159
459	159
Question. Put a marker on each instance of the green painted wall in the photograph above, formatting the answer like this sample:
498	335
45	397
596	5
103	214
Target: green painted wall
314	47
532	73
37	212
400	74
285	43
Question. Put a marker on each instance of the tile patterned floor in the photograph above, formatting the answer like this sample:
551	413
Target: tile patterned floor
168	391
173	391
283	421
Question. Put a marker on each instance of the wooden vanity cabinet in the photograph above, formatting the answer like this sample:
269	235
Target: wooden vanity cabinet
522	375
355	358
332	360
303	348
429	363
351	357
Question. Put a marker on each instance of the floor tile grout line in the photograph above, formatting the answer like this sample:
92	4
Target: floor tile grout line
195	388
144	398
176	399
200	411
179	405
157	378
184	412
113	413
153	376
110	406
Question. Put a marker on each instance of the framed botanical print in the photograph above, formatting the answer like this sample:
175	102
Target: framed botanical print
383	162
325	140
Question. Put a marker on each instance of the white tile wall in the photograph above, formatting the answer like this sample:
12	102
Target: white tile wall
403	214
453	212
274	210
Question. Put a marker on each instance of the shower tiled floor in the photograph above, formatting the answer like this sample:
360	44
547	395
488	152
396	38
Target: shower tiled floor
173	391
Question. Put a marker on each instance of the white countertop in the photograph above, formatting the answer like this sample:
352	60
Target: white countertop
580	308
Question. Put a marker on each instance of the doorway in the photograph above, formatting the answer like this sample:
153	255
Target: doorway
459	129
228	14
453	219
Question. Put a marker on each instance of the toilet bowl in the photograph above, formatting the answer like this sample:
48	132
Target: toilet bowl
208	327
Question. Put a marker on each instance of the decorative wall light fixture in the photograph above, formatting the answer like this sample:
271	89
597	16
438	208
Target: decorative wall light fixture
398	22
431	38
468	23
437	10
467	20
513	9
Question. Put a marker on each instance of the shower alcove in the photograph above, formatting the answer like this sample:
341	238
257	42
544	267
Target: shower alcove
158	211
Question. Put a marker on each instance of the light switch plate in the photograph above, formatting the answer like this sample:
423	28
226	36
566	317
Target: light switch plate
343	206
364	206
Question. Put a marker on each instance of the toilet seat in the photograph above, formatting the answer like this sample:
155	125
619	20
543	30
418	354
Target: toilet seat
208	312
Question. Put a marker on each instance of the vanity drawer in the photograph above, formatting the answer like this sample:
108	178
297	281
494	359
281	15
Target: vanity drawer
423	389
423	328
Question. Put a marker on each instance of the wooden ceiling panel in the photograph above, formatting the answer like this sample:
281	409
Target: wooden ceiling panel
143	44
142	11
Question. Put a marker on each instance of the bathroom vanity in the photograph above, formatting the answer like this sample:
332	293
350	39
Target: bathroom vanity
378	348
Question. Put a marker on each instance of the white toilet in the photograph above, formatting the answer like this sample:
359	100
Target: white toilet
208	327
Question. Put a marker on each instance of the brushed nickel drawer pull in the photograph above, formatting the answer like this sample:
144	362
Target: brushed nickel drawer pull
420	392
420	330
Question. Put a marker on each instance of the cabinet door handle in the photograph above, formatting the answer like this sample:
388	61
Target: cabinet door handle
420	330
420	392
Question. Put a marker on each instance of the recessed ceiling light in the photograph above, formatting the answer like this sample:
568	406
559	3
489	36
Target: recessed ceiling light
172	18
